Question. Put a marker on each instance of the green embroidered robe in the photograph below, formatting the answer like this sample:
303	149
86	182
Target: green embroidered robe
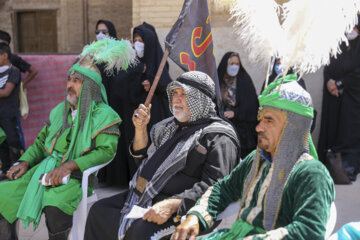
104	137
304	207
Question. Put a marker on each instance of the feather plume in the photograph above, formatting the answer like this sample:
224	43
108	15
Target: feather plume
314	31
117	55
258	28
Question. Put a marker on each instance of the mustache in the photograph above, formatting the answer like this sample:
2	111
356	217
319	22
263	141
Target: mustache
70	89
177	105
261	134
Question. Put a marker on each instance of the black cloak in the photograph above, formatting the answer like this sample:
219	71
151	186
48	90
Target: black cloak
340	118
153	54
246	106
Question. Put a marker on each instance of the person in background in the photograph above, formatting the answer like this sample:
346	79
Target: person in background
340	117
239	99
150	53
10	78
119	88
24	67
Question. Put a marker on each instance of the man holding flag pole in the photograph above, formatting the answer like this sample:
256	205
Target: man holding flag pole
184	154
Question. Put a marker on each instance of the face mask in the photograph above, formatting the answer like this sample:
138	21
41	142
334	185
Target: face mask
101	36
139	48
3	68
278	69
233	70
352	35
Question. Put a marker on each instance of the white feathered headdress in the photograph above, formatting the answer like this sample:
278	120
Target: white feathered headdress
304	34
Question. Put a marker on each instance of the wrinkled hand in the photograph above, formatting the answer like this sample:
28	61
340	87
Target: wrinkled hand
57	175
189	227
146	85
332	88
229	114
162	211
18	170
141	116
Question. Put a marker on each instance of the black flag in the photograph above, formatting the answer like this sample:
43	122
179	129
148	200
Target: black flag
190	41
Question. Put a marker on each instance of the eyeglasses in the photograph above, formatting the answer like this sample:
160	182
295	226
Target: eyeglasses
104	31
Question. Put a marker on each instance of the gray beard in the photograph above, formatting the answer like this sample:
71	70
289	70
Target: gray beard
73	101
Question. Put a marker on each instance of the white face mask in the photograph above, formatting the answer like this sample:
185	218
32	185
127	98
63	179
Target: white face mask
139	48
101	36
352	35
3	68
233	70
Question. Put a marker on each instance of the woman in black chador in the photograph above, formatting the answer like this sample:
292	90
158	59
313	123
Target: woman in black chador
340	121
239	99
119	89
150	53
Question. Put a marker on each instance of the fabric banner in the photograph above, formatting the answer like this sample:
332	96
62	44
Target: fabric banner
190	41
45	91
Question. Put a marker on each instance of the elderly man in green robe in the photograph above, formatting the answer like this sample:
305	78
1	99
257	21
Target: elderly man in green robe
284	191
81	132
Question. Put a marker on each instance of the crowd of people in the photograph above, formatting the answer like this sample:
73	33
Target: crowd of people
181	155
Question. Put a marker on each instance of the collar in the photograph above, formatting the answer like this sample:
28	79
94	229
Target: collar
265	155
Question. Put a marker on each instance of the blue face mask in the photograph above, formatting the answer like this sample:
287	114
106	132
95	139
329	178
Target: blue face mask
233	70
278	69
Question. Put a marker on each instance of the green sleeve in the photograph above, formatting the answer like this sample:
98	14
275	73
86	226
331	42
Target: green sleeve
306	203
105	148
312	191
218	197
36	152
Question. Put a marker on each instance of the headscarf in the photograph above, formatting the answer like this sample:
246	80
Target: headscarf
110	26
294	145
246	97
153	54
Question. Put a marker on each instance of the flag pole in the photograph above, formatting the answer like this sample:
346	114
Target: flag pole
157	78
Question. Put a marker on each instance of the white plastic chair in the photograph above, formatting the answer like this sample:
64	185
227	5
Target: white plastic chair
80	215
331	221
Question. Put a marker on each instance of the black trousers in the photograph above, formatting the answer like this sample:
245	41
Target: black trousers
10	149
103	222
57	222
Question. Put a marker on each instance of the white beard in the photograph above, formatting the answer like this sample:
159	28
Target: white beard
180	114
73	101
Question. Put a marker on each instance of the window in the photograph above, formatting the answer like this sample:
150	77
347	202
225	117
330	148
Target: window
37	31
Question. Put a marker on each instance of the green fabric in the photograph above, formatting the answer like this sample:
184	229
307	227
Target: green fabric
96	77
239	230
2	135
273	100
305	201
98	148
30	206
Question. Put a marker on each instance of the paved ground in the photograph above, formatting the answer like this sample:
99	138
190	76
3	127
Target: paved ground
347	203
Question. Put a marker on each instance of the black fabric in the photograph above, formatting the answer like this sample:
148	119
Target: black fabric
340	119
9	106
122	97
103	218
10	149
7	230
246	106
58	223
153	54
201	171
20	63
148	229
110	26
164	151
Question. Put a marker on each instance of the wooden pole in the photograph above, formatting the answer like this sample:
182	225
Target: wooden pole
157	78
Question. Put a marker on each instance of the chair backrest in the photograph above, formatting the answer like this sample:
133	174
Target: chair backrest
331	221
